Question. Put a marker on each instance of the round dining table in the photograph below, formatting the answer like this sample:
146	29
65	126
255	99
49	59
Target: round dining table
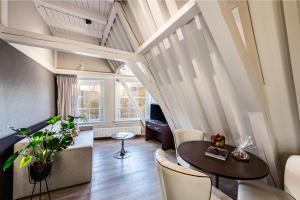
194	153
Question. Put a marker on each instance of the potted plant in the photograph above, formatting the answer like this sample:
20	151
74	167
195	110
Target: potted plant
41	149
71	125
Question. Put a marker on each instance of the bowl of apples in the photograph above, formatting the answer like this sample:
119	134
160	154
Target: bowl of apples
218	140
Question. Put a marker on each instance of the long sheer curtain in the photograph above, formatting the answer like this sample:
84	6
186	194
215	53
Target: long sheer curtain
67	95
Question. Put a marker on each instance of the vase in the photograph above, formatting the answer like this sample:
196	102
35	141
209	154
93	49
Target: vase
40	172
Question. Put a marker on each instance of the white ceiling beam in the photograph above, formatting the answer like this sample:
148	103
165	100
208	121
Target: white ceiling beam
115	63
50	42
129	32
185	14
89	74
72	27
120	67
159	18
173	9
72	10
111	66
110	22
80	38
142	14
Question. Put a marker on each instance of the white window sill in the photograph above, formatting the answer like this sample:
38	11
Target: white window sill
127	121
91	122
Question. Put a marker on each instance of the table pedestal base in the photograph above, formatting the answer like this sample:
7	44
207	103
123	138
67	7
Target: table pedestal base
217	182
122	153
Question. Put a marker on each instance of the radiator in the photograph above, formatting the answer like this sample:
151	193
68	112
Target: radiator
107	132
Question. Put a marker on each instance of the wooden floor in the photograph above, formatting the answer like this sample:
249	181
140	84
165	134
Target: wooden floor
129	179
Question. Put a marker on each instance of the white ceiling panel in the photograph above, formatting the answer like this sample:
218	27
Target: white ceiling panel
68	17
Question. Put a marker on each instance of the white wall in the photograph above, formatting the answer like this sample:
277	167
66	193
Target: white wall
23	15
272	45
4	12
73	61
292	22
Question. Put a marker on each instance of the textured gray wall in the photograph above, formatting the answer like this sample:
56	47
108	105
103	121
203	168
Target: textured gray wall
27	90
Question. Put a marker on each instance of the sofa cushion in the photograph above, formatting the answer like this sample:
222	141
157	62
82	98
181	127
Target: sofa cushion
71	166
255	190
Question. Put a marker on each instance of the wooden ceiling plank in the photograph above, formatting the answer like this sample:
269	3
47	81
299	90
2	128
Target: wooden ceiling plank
73	10
129	32
122	35
62	24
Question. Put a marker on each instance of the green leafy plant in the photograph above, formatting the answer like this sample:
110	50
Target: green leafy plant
70	125
42	146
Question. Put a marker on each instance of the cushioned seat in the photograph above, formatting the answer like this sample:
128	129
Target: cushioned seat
218	195
186	135
179	183
255	190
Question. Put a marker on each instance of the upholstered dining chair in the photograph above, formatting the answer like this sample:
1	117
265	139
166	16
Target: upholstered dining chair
179	183
186	135
249	190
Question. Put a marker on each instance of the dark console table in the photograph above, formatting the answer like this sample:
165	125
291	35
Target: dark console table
160	131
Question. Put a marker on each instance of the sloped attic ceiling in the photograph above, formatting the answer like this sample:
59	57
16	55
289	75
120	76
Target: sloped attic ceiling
80	20
208	71
200	61
84	21
104	22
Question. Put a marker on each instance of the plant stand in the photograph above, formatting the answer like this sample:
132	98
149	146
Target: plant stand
34	183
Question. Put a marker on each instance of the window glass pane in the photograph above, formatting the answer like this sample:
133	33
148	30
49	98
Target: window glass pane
90	102
126	109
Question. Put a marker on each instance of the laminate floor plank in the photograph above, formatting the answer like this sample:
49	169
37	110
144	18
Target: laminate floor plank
133	178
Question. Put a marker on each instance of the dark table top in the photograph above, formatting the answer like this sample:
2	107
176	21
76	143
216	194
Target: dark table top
193	153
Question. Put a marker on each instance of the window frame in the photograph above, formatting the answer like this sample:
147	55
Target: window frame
101	99
117	104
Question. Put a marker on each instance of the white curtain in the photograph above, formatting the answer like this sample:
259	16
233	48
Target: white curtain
67	95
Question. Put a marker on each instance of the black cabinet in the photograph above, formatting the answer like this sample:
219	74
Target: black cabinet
160	131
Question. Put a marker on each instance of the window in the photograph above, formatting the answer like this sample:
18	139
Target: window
125	108
90	102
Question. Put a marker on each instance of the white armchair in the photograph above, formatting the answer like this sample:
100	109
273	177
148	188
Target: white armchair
292	176
186	135
178	183
249	190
